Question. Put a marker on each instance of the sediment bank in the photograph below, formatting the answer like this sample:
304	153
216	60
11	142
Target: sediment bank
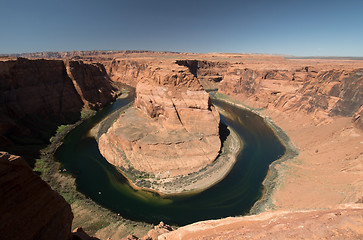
182	184
265	202
93	218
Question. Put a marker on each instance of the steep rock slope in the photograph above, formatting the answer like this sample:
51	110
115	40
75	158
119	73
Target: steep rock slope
307	89
38	95
126	71
174	130
209	73
92	83
29	208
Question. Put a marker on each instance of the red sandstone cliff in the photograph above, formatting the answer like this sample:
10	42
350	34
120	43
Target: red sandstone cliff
126	71
29	208
92	83
209	73
38	95
312	90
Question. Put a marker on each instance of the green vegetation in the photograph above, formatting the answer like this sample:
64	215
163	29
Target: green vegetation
87	113
87	214
61	130
41	167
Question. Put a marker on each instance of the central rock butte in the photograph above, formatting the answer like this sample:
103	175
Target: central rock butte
173	129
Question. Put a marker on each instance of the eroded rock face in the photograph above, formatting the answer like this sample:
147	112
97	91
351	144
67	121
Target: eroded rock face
29	208
92	83
38	95
126	71
174	129
209	73
329	92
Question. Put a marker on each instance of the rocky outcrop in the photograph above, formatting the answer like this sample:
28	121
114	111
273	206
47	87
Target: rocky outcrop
358	118
306	89
209	73
29	208
126	71
173	131
92	83
38	95
129	71
344	222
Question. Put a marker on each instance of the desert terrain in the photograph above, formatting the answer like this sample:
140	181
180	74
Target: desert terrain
317	103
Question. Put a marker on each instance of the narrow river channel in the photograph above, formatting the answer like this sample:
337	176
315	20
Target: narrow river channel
232	196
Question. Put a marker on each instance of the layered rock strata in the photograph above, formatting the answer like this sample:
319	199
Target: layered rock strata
174	129
125	70
209	73
29	208
322	92
38	95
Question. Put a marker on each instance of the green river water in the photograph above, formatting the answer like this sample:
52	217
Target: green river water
233	196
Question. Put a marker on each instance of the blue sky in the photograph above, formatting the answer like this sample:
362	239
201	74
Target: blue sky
295	27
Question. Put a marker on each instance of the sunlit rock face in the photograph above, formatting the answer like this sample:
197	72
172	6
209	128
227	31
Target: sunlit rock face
174	129
320	91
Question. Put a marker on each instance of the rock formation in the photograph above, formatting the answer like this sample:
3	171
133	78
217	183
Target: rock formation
126	71
92	83
209	73
308	89
345	222
174	130
29	208
38	95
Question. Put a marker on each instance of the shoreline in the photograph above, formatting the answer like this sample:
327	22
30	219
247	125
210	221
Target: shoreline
83	208
291	151
203	179
192	183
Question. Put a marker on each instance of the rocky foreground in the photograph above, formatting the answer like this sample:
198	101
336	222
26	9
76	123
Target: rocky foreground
344	222
29	208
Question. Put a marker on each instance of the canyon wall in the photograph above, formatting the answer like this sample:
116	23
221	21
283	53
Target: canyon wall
321	92
209	73
29	208
38	95
126	70
92	83
174	130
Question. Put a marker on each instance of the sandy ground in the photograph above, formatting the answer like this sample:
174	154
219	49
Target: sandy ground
345	222
329	169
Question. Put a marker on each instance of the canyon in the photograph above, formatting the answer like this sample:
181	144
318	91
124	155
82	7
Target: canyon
318	103
39	95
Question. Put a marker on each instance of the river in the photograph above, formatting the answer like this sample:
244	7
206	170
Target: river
233	196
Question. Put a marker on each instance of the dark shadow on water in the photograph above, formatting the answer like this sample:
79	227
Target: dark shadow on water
223	130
